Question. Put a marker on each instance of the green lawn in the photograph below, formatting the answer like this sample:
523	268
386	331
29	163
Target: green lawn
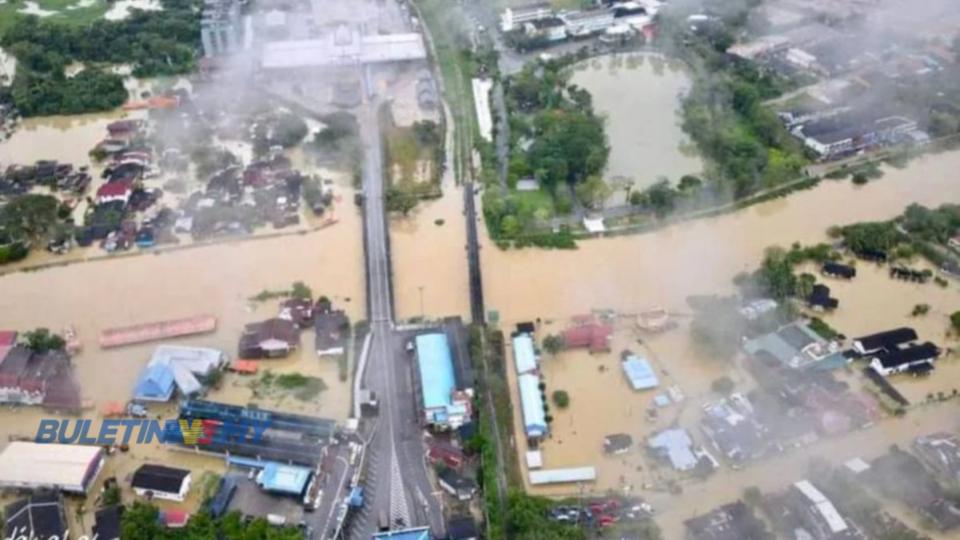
10	11
532	203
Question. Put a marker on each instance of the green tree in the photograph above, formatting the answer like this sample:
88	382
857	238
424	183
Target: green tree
776	276
401	200
593	192
29	217
955	321
553	344
42	340
301	291
561	399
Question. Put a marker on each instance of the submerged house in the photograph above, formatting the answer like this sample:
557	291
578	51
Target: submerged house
880	341
796	346
916	359
676	447
332	332
820	299
590	335
176	367
838	270
45	379
273	338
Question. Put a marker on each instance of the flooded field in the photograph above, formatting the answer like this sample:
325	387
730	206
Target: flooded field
640	94
429	259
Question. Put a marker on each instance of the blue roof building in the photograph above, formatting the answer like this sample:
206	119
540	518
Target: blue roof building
286	479
640	373
531	402
524	355
438	383
155	384
417	533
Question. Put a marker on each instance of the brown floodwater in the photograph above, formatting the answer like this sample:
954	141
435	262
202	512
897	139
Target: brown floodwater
67	139
661	269
429	257
639	93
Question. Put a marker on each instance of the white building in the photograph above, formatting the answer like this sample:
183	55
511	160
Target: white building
513	18
64	467
161	482
585	23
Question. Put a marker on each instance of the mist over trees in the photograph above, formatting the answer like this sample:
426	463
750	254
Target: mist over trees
153	43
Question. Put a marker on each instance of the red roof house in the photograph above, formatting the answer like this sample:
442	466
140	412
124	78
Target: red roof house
8	338
593	336
115	191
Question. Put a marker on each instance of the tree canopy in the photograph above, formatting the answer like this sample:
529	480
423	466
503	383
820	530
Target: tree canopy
140	522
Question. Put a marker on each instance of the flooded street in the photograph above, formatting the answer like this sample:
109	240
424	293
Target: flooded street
640	95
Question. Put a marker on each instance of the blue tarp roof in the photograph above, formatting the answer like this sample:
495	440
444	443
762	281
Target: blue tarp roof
524	357
283	478
640	373
436	370
155	384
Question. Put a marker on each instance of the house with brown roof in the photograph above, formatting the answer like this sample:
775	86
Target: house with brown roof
272	338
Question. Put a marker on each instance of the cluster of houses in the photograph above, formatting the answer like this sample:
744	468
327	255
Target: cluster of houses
853	109
819	509
542	23
63	177
279	336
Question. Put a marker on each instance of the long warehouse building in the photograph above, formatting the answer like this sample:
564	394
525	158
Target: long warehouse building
64	467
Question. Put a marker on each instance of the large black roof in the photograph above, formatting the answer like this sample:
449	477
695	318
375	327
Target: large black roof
38	516
159	478
909	355
888	339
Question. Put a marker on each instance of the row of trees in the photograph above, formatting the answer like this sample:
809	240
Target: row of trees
140	522
152	42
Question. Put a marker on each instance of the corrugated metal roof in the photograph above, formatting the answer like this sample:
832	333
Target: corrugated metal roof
283	478
436	370
678	447
823	505
524	355
531	401
640	373
29	464
563	476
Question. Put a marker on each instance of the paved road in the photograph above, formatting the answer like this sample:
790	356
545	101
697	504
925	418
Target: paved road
396	478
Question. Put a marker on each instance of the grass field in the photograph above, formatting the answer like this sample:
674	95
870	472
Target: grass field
445	22
69	11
